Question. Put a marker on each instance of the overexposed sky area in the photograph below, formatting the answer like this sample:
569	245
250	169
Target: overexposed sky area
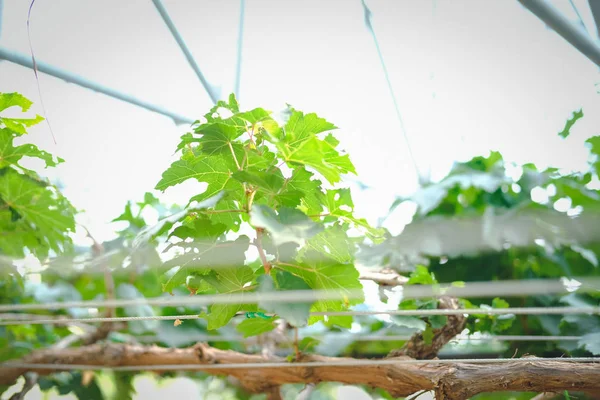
469	76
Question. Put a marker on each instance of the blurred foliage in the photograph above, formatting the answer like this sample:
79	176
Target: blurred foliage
266	173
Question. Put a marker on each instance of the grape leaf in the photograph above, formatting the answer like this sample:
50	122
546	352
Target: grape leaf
215	170
219	137
409	322
570	122
12	155
228	281
47	213
323	273
203	256
14	99
300	145
300	126
296	314
332	242
255	326
149	232
340	206
269	183
19	125
130	292
288	225
591	342
310	189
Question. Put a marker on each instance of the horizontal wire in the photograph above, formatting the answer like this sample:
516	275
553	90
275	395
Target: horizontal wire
415	313
472	290
377	338
266	364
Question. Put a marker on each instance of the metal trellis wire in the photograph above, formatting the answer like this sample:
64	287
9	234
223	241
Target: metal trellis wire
414	313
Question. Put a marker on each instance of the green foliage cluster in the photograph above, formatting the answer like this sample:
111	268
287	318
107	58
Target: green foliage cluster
272	215
34	217
483	186
259	179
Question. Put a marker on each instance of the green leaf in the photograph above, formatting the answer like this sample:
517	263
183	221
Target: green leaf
227	282
38	209
409	322
301	189
218	138
14	99
334	243
268	182
300	145
570	122
340	206
421	276
20	125
124	387
288	225
11	155
296	314
129	292
300	127
150	232
323	273
591	342
216	171
204	255
255	326
438	321
428	335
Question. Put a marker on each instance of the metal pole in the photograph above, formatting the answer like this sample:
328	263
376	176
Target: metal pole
238	65
570	32
595	7
186	51
25	61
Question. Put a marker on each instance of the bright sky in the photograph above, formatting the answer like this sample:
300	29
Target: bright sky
469	76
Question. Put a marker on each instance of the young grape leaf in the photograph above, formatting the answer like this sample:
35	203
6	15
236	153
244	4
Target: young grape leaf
309	189
570	122
333	242
48	212
17	125
591	343
340	206
300	145
296	314
288	225
255	326
219	137
203	256
166	223
215	171
227	282
269	183
300	126
323	273
9	154
409	322
129	292
14	99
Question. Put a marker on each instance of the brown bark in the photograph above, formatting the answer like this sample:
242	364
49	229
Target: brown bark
417	348
450	381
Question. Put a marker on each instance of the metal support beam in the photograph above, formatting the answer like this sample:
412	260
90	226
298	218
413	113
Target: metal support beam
570	32
25	61
238	64
595	7
212	92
